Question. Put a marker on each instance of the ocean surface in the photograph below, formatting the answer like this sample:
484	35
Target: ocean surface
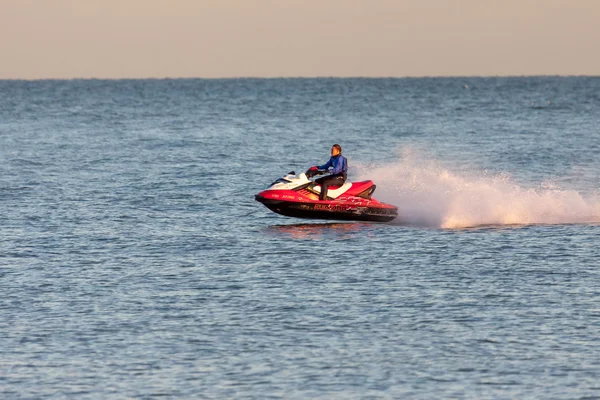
135	262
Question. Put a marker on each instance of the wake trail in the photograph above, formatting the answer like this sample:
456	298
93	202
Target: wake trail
429	195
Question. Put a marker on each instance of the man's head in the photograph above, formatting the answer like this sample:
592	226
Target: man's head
336	150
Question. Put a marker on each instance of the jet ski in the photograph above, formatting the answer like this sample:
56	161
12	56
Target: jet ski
298	196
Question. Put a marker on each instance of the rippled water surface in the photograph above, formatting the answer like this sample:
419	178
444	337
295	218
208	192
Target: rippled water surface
134	261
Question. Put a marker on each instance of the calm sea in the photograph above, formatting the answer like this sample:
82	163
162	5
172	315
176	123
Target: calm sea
134	261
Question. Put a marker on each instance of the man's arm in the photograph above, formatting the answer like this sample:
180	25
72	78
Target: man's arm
327	164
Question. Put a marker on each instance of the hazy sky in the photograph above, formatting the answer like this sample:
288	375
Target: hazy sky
269	38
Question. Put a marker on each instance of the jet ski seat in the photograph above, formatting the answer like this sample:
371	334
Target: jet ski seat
334	191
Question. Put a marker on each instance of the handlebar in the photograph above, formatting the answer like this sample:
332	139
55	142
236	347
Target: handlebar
310	173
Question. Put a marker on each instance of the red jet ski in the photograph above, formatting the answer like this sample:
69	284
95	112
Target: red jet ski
297	196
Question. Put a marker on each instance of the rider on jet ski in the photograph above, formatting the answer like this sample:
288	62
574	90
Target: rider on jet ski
338	172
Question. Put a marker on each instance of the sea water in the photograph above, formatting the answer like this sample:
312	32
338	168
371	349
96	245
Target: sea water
134	261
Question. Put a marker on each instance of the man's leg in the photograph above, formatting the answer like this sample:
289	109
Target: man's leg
329	181
324	188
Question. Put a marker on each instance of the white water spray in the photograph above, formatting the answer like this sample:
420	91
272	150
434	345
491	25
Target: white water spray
428	195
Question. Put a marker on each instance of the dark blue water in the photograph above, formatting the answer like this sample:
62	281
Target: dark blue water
134	261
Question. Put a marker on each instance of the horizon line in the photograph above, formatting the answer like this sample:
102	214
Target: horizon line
249	77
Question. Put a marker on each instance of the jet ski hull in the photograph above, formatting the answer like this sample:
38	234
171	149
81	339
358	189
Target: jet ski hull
378	212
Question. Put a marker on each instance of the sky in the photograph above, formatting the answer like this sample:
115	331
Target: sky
54	39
